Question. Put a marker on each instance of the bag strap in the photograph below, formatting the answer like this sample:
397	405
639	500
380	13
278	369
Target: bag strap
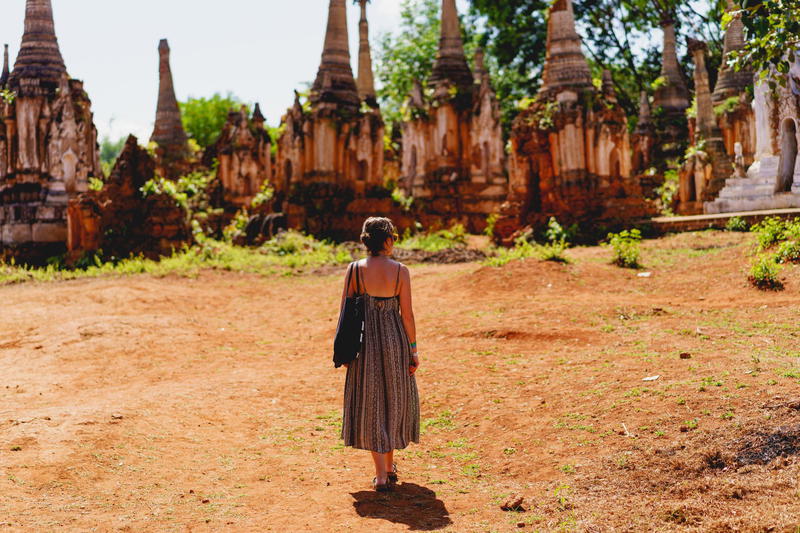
397	283
358	282
349	277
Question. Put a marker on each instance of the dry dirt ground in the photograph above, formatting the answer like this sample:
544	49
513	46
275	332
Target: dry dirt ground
211	404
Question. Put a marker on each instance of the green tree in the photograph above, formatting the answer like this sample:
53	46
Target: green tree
617	35
406	55
203	118
109	152
773	35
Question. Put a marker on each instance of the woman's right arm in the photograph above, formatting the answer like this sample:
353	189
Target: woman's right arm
407	313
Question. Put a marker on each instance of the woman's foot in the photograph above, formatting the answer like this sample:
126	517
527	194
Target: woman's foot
392	475
381	487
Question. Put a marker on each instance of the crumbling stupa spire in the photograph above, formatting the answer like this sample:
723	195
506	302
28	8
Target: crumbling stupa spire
706	121
645	122
366	79
730	82
5	74
39	55
672	96
335	82
565	66
451	62
258	116
168	131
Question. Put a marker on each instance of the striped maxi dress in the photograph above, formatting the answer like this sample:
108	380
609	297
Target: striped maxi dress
381	403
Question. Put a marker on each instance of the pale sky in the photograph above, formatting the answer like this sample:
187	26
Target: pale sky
258	49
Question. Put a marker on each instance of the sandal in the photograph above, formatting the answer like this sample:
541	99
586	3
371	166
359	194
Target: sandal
393	474
381	487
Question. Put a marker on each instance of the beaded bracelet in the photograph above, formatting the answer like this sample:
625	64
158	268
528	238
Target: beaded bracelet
413	345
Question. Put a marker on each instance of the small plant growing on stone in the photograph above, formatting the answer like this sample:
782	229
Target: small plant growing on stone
764	273
737	224
626	247
491	222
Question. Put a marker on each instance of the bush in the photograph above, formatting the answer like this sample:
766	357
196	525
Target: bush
737	224
491	222
626	247
764	273
788	252
770	231
552	251
556	232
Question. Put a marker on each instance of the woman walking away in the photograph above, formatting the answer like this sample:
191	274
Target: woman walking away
381	404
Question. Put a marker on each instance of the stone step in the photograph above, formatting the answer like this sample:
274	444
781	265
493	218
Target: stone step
774	201
757	191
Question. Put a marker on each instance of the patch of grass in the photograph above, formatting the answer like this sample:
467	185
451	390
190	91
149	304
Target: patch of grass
567	468
443	422
288	251
436	241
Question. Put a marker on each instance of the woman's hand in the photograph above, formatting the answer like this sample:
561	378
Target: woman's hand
414	366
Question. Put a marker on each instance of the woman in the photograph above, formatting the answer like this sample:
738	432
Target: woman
381	404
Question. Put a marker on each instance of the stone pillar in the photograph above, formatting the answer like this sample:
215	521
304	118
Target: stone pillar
706	121
4	76
366	79
168	131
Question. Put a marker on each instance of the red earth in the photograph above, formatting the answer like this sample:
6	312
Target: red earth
211	404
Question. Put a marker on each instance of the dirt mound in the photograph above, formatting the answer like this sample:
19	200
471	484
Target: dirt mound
443	257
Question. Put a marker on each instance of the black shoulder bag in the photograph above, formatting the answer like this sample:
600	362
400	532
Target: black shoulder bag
349	332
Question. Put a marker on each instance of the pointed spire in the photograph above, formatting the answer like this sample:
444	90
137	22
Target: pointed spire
645	123
258	116
672	96
39	56
480	65
451	62
730	82
608	89
4	75
366	79
706	121
565	66
335	82
168	131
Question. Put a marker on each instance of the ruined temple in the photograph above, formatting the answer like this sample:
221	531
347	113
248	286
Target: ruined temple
48	142
705	170
120	219
733	105
243	156
453	152
570	150
331	152
773	180
172	150
671	100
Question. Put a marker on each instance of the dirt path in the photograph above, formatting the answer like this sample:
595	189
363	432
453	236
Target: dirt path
210	404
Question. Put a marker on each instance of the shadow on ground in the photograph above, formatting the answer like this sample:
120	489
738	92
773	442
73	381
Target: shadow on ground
409	504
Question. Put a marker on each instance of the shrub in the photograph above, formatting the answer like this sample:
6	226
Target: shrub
737	224
552	251
769	231
556	232
626	247
788	252
764	273
491	222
